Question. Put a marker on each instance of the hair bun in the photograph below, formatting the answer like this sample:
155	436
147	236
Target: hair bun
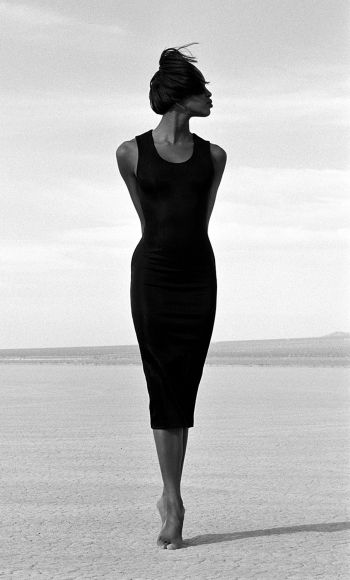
172	55
176	78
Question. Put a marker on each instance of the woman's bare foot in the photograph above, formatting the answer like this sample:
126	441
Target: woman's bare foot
170	537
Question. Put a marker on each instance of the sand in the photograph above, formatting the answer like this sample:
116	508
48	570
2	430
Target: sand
265	485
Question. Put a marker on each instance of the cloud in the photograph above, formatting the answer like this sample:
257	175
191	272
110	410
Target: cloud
61	111
122	234
275	186
30	16
272	206
321	107
21	256
232	236
81	248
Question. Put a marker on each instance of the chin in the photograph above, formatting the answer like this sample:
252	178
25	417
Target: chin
205	113
202	113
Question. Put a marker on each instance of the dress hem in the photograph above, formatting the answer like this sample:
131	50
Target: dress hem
173	427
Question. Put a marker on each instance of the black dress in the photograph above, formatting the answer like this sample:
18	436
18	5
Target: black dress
173	279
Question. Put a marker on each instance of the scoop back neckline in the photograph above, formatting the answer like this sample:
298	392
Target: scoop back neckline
174	162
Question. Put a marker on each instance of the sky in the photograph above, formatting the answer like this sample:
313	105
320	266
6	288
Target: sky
75	82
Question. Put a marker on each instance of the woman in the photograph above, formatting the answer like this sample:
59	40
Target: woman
173	176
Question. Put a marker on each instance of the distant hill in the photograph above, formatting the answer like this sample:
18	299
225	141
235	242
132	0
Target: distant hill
337	335
330	350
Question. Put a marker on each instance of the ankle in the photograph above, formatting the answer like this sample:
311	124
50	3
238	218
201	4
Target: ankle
171	494
174	502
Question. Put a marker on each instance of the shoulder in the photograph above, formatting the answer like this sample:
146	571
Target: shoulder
218	153
127	157
219	156
126	149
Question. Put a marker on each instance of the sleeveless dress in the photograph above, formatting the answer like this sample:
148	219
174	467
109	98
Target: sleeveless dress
173	286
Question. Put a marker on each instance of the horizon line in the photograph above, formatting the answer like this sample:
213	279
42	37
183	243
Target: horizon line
339	334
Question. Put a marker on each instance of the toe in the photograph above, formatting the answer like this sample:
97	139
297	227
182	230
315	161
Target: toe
162	543
174	545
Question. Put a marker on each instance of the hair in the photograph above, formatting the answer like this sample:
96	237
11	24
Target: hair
176	79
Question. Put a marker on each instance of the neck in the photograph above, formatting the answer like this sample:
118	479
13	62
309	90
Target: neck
173	128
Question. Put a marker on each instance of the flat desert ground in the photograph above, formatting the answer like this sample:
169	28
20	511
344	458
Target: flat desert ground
265	483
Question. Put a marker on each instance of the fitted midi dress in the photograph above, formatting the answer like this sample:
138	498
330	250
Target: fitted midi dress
173	285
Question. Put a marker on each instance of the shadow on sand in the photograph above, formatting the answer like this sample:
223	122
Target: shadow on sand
231	536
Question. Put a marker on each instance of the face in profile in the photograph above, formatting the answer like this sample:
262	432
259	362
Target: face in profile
198	105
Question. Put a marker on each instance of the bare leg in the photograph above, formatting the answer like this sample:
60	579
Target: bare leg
185	438
162	501
171	447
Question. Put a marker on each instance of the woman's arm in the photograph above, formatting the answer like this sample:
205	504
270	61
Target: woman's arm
219	158
127	158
